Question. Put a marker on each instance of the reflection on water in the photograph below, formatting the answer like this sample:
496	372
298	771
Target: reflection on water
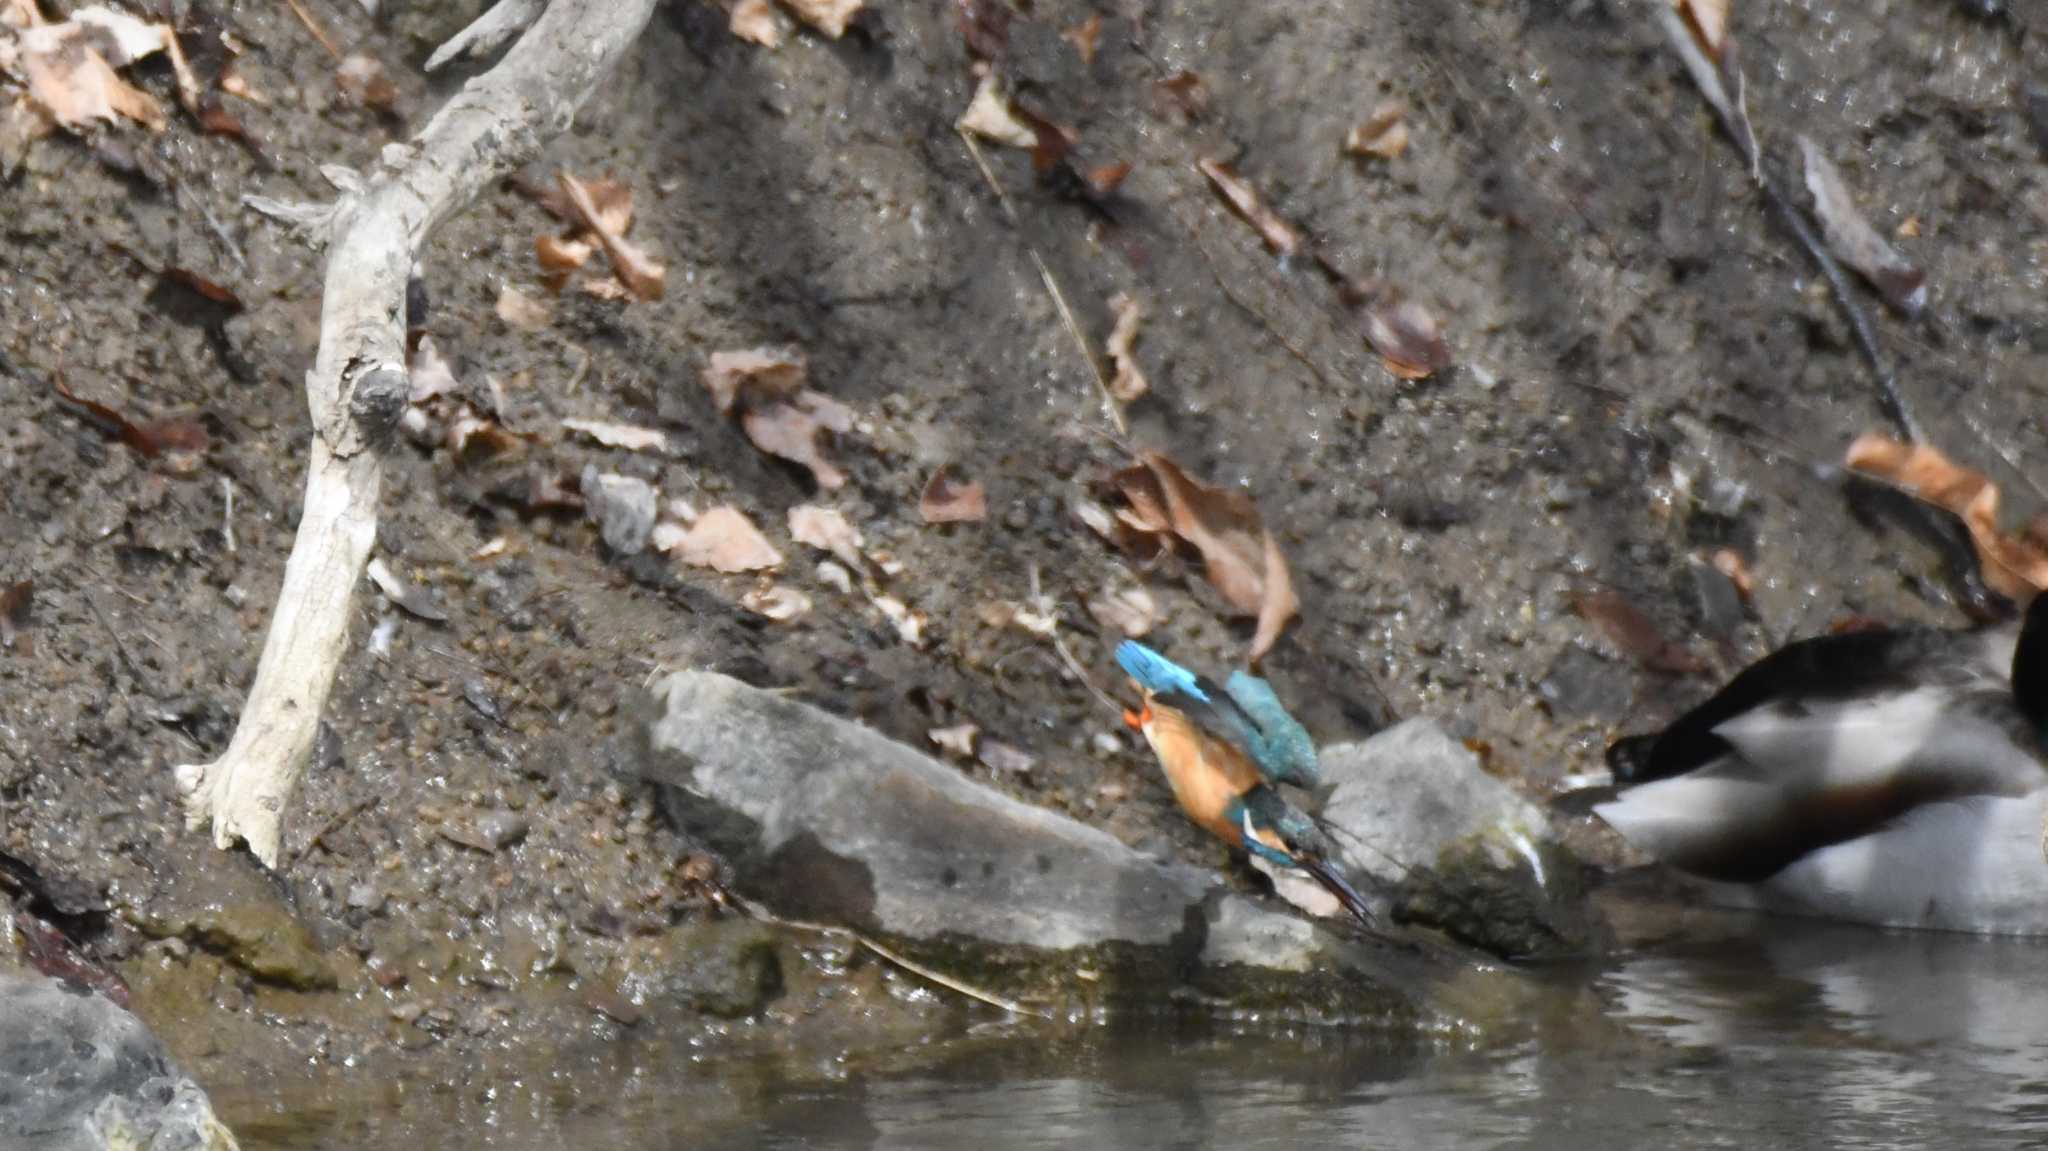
1791	1035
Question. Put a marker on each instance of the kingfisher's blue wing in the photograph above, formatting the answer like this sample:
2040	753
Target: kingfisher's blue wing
1214	709
1285	753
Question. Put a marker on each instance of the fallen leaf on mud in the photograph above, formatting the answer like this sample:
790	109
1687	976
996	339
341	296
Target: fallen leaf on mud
14	602
152	438
211	291
1004	758
1730	563
557	254
990	116
1181	96
627	436
2014	564
1855	242
793	431
753	377
723	539
1404	332
756	20
362	80
959	740
1239	556
1383	134
828	16
608	288
1103	180
431	375
520	310
909	623
1130	382
1083	37
77	86
1131	613
835	576
1634	634
827	530
1708	22
472	435
646	278
413	600
950	501
121	38
1279	235
777	603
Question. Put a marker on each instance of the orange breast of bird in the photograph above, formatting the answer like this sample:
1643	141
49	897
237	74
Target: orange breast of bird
1206	774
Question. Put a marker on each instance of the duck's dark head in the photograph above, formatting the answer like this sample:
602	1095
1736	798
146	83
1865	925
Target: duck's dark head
2030	664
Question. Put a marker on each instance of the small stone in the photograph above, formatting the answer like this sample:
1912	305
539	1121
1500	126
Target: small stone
623	508
365	897
491	831
729	968
612	1005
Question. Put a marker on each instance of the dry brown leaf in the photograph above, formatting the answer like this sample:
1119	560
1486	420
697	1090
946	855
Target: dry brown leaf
958	739
1240	557
1855	242
76	85
756	20
1132	612
722	539
1130	382
1404	332
828	16
557	254
777	603
908	621
1634	634
1084	36
607	288
754	376
827	530
1708	21
627	436
1279	235
1181	96
362	80
950	501
520	310
2014	564
633	267
990	116
431	375
1383	134
794	431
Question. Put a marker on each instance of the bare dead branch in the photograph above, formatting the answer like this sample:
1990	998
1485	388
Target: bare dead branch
358	388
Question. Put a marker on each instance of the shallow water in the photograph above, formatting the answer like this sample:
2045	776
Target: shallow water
1783	1034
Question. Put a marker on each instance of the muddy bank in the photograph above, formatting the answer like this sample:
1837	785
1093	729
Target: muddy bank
1644	372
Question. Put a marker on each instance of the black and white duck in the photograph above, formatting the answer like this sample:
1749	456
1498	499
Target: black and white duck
1897	778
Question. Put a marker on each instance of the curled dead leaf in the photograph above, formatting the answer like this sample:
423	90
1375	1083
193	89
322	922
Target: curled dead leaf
950	501
723	539
776	603
362	80
755	20
753	376
827	530
1130	382
828	16
1240	557
1383	134
795	431
1279	235
634	268
406	595
1634	634
76	85
958	739
990	115
627	436
2015	564
520	310
1406	334
557	254
1853	240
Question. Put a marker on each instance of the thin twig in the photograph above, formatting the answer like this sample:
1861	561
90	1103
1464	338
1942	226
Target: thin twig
1052	286
313	26
755	911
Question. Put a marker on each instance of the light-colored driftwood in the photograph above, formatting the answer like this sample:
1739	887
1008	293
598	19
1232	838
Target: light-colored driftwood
358	385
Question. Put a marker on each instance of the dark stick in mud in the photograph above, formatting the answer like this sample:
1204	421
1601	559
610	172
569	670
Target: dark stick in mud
358	385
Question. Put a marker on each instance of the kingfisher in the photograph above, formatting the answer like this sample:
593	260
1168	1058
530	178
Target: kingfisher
1225	752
